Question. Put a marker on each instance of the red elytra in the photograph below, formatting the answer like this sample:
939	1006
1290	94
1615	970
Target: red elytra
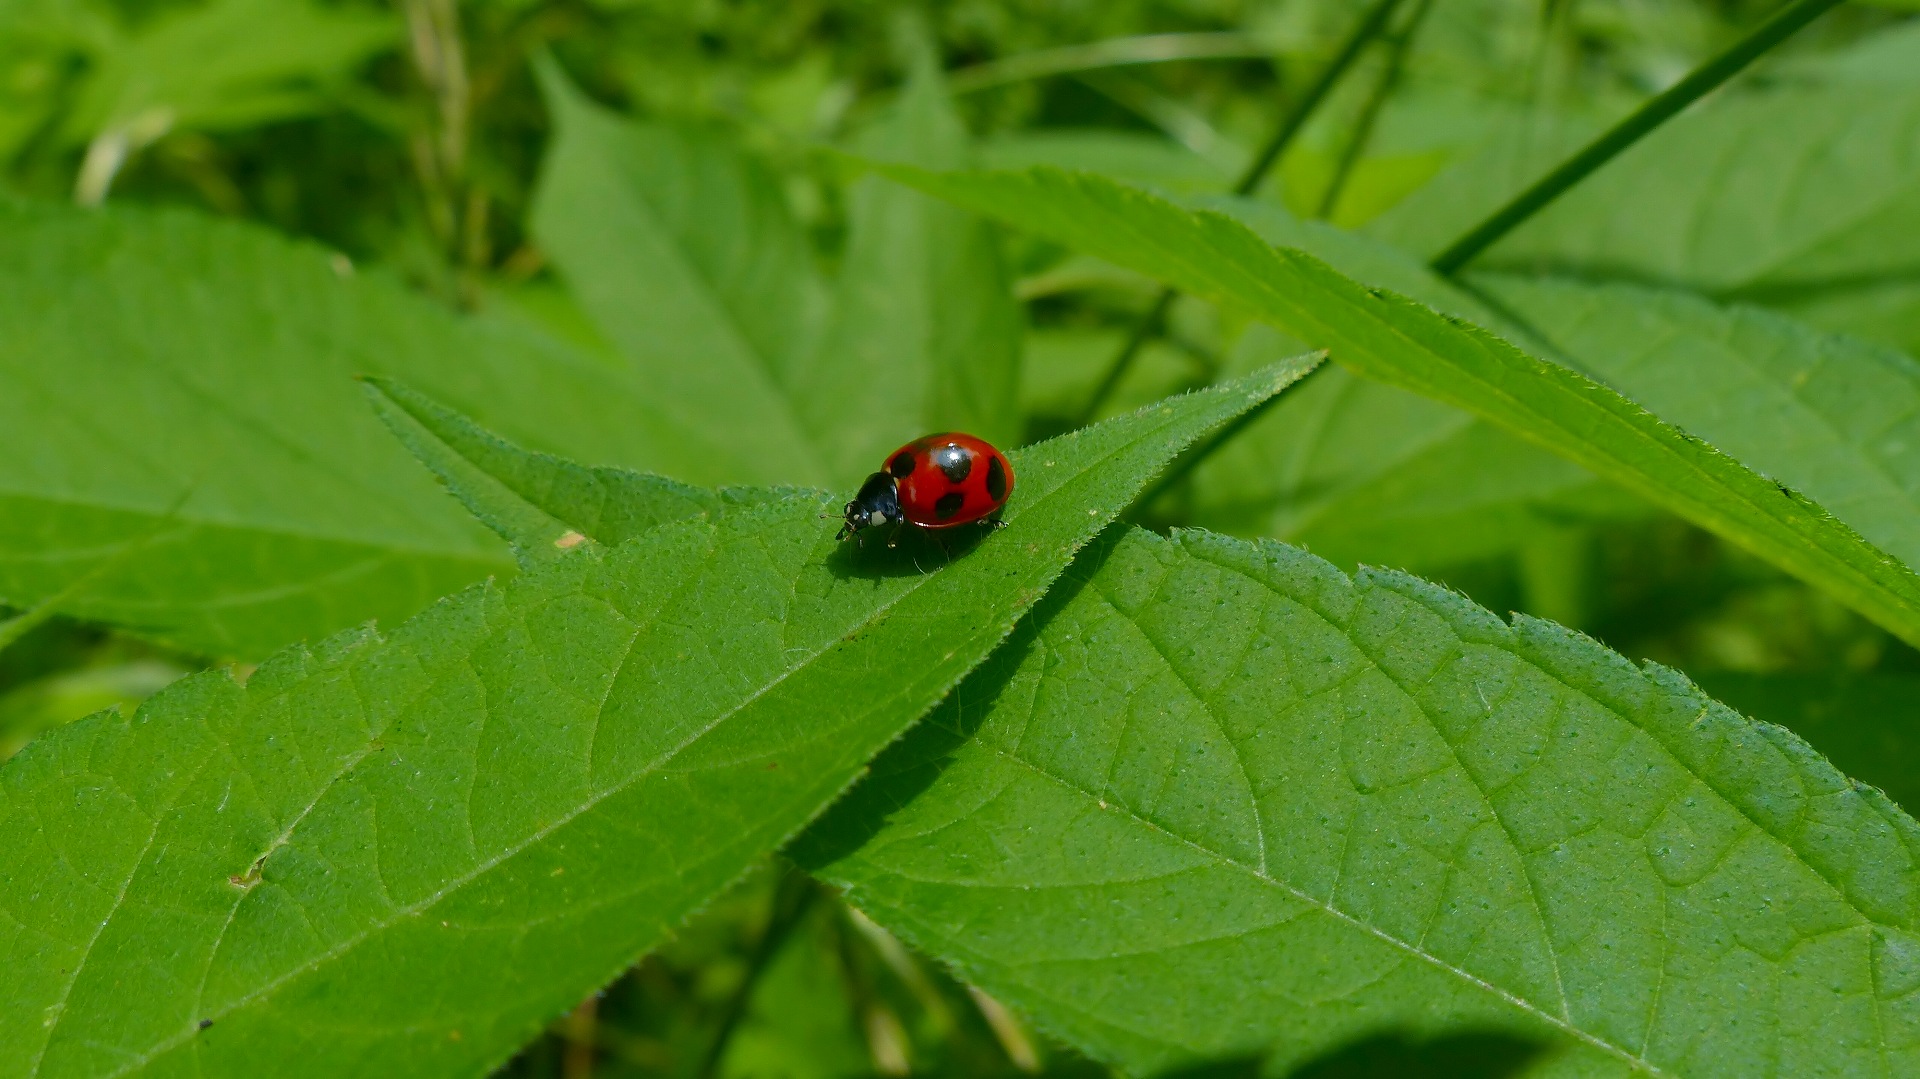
942	480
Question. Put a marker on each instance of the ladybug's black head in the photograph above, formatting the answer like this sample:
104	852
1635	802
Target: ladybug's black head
877	503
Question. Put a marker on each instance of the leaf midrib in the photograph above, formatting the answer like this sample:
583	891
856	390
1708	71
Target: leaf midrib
1453	751
1090	468
518	847
513	850
1314	903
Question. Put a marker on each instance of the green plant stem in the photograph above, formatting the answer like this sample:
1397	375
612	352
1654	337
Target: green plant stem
1365	31
1370	112
1698	82
791	902
1296	117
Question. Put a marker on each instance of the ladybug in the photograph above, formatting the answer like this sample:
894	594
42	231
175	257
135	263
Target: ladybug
940	481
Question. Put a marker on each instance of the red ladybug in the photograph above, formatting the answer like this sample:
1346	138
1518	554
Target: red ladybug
940	481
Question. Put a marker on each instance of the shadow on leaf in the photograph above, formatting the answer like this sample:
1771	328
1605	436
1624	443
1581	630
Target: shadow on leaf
1244	1067
1472	1054
903	552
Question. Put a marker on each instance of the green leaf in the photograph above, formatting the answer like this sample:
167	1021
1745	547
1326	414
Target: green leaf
1359	471
683	251
925	334
1385	336
540	503
180	433
1216	797
334	863
1837	418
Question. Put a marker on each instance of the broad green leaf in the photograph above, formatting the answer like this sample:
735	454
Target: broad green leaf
1216	797
1837	418
1387	337
327	870
683	251
182	443
925	334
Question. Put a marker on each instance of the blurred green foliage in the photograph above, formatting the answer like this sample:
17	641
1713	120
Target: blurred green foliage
416	139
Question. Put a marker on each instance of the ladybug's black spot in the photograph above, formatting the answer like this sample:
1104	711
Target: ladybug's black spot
955	461
996	479
901	466
948	505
